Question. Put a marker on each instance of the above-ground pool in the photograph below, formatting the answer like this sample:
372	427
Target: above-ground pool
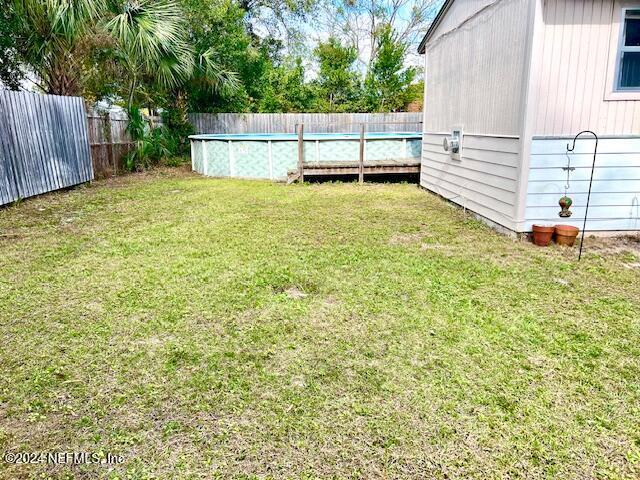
274	155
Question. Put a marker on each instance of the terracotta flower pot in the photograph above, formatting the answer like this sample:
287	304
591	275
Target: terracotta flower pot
542	234
566	235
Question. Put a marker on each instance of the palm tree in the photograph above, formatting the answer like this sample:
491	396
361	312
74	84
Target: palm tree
151	40
149	37
152	46
53	39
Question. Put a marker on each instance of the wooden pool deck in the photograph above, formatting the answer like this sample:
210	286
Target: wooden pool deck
398	166
360	167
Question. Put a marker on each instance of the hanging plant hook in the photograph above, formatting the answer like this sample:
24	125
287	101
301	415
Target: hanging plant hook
565	202
568	169
593	166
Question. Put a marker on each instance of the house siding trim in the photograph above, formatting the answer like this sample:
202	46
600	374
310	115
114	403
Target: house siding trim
533	58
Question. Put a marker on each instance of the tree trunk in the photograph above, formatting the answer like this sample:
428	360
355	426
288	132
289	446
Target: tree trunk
132	88
62	80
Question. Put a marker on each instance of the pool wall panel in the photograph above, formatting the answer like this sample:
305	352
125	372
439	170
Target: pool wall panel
273	158
284	158
249	159
196	156
385	149
216	159
339	151
414	148
310	151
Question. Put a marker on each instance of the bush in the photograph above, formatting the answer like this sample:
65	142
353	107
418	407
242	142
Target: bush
157	145
178	128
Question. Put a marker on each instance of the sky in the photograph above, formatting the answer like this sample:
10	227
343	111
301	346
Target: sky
323	23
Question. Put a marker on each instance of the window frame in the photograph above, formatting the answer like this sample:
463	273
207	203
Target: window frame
612	91
622	49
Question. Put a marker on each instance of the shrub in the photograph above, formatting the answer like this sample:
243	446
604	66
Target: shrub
160	144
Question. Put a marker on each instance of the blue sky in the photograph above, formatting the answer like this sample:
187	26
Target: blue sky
322	24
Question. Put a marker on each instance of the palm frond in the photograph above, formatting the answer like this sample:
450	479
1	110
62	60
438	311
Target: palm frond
148	30
174	69
52	35
69	17
213	74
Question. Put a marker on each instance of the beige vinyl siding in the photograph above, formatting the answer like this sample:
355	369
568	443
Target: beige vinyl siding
516	70
457	13
578	47
484	180
475	68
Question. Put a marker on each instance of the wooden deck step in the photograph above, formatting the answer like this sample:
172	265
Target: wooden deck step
383	167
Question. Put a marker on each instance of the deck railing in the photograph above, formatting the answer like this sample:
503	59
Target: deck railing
300	128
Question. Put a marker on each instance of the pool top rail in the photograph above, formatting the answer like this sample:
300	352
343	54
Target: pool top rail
307	136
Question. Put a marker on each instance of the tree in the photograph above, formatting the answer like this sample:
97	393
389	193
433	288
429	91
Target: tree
143	44
286	90
358	22
53	38
179	55
387	82
337	82
414	97
150	45
219	26
10	72
158	59
280	18
269	80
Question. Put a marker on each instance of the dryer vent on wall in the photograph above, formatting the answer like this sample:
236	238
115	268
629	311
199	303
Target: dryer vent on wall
453	144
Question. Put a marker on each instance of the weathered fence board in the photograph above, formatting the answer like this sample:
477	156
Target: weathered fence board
8	185
44	144
110	141
313	122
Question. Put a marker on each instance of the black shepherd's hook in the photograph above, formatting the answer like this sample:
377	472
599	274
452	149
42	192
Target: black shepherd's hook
593	166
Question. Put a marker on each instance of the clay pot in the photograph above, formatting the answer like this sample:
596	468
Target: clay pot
542	234
566	235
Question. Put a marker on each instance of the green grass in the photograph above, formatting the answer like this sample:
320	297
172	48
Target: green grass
208	328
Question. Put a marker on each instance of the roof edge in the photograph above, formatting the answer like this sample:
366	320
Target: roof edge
436	21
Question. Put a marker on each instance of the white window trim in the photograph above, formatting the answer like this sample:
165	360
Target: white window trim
613	91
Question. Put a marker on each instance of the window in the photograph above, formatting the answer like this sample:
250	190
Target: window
628	68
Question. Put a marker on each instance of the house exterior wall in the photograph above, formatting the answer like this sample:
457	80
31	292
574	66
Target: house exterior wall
572	90
522	77
575	80
476	67
484	180
615	197
457	13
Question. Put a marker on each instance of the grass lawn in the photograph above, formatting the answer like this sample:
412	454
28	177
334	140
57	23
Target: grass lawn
207	328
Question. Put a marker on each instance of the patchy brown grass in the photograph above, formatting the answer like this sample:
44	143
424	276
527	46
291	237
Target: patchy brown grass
210	328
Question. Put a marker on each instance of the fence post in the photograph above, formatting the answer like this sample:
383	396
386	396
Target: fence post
300	128
110	146
361	159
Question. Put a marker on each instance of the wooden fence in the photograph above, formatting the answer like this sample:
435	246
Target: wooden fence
44	144
110	141
50	142
313	122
